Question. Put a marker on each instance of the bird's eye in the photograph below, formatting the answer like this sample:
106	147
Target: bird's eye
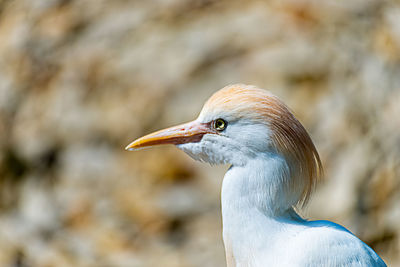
220	124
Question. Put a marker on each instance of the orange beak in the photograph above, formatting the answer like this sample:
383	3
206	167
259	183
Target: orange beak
191	132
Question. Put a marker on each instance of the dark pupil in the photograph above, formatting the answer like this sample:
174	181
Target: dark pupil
220	124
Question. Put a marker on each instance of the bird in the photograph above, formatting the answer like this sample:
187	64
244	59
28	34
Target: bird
274	168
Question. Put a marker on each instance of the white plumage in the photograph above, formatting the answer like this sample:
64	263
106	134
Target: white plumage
274	168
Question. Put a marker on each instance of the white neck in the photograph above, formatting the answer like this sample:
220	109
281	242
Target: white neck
255	206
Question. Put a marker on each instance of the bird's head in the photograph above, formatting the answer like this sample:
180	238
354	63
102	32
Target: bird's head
240	123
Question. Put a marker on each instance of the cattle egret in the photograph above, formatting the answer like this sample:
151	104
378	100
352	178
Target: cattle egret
274	167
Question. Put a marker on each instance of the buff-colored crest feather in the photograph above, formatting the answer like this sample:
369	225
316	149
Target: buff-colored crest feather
288	135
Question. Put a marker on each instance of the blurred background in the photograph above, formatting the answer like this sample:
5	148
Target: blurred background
80	79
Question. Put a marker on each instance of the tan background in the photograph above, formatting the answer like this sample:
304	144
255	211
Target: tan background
81	79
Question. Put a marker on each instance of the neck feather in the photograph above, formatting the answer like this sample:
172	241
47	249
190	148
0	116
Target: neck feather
255	201
262	183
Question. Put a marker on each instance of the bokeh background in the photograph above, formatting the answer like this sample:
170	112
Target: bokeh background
80	79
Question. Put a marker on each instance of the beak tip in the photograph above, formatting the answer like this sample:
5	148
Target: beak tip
130	147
